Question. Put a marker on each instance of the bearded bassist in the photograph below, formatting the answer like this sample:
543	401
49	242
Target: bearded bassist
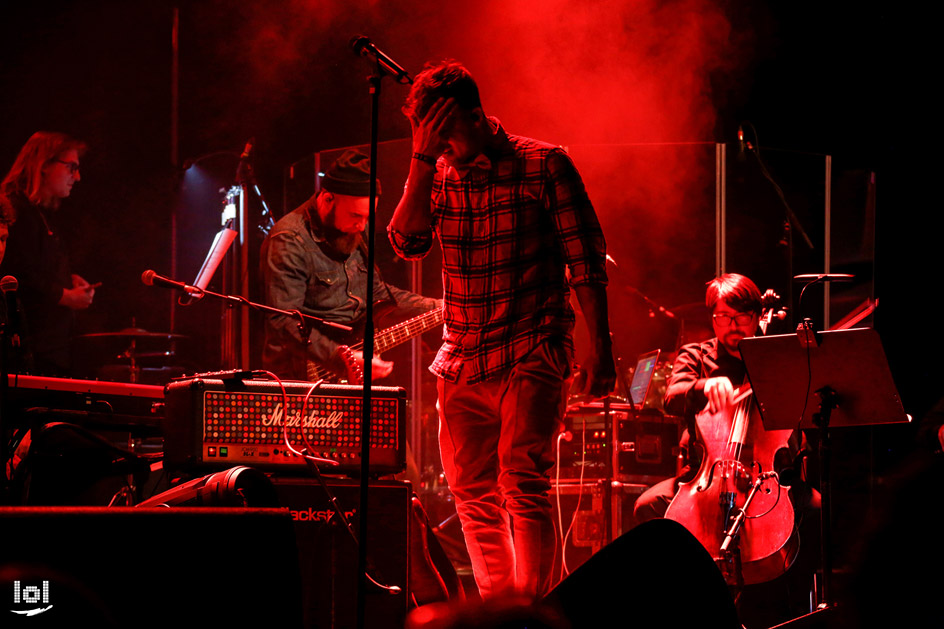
314	261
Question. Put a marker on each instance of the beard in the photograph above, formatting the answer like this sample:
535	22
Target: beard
730	342
343	243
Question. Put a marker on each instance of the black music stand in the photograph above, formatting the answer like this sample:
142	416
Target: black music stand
840	380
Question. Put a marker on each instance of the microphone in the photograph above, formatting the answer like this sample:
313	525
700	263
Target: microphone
744	145
653	306
244	168
247	151
151	278
9	286
362	46
824	277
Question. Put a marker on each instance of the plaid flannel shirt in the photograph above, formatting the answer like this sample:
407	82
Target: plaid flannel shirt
509	226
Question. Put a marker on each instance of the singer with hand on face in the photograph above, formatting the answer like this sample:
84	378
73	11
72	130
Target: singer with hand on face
511	215
41	177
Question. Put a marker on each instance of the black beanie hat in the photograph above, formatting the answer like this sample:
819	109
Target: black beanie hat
349	174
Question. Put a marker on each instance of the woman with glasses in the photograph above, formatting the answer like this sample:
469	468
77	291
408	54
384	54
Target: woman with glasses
42	176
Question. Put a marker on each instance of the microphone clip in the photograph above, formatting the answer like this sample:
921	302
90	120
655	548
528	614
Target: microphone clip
808	337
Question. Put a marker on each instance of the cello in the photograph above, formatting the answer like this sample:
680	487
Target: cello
736	506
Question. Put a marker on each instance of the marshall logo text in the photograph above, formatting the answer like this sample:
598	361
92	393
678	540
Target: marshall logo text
332	420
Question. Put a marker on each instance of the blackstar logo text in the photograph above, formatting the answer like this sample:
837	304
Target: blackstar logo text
332	420
319	515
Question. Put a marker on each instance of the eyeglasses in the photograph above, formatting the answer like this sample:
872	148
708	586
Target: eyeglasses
73	166
742	318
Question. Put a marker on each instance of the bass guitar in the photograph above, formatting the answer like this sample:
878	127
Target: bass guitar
383	340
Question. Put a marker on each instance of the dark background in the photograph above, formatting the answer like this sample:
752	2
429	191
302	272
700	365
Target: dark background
639	92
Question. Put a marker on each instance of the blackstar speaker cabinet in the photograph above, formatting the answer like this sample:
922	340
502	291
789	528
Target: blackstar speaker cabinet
327	555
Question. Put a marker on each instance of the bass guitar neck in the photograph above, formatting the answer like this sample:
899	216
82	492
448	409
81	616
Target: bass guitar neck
384	340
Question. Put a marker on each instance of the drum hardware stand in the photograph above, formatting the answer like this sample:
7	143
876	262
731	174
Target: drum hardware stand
134	370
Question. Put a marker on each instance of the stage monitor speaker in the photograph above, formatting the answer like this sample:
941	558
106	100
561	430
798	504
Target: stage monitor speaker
160	568
656	575
328	556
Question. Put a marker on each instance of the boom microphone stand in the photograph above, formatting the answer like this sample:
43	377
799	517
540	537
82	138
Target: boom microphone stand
382	66
151	278
791	223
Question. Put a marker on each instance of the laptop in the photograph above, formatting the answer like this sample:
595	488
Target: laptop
642	377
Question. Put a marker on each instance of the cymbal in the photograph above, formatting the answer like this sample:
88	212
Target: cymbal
692	310
155	355
132	333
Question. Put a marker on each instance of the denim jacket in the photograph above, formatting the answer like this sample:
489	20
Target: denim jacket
300	271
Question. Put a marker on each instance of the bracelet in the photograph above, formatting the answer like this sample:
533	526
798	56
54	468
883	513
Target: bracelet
425	158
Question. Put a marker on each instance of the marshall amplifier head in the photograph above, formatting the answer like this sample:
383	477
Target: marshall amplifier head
216	423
